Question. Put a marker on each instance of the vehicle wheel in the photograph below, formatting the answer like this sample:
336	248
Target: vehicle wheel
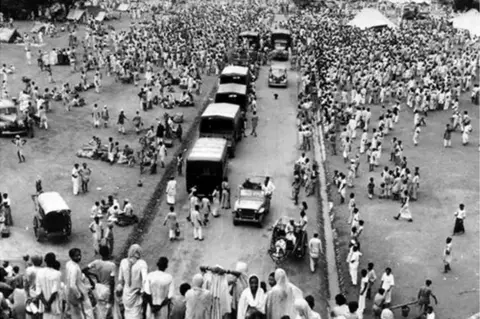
235	222
260	223
35	229
232	153
68	229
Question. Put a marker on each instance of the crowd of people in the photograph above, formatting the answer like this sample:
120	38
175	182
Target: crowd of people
48	289
425	66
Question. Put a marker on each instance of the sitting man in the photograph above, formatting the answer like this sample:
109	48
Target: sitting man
186	99
290	230
247	184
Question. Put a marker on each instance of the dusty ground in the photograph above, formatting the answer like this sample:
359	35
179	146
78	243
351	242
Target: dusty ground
51	154
414	250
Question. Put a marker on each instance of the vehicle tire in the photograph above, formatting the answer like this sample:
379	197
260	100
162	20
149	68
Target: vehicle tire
68	229
232	152
235	222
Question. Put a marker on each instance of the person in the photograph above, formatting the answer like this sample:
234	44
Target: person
353	260
271	280
311	303
18	299
197	223
447	255
108	239
341	308
198	301
372	277
254	124
171	191
96	228
460	215
352	310
378	301
386	314
132	274
423	296
19	143
48	285
172	223
85	173
303	309
30	286
76	290
404	209
216	202
387	284
238	283
314	249
159	290
104	270
280	300
76	178
363	293
252	300
178	305
5	205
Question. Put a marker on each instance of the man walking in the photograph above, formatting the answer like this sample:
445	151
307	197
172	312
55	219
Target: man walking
460	215
48	284
197	222
254	124
19	143
424	295
314	248
353	262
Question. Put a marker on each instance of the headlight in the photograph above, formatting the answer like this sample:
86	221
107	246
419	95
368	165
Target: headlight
261	210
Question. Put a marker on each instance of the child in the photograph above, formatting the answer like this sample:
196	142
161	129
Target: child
370	188
383	191
372	159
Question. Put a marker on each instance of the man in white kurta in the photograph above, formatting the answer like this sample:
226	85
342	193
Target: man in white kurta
76	290
159	287
48	283
75	179
171	191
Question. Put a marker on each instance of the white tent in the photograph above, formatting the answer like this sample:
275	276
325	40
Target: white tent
370	18
468	21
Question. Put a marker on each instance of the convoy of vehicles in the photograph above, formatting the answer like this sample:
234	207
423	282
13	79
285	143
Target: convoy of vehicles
232	93
206	165
222	120
278	76
52	216
10	122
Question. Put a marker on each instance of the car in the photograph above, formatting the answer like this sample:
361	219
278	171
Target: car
278	76
52	216
10	122
253	202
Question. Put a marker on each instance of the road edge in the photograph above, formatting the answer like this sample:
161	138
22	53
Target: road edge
149	213
329	244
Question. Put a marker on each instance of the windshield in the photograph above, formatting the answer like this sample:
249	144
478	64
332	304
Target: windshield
233	78
8	110
216	125
278	72
257	194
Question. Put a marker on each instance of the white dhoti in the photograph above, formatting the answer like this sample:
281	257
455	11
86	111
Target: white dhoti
75	184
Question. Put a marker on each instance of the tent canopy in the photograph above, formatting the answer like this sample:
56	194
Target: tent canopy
370	18
8	35
38	26
468	21
123	7
75	14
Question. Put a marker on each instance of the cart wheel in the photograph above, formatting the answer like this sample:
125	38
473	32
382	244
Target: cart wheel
36	229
